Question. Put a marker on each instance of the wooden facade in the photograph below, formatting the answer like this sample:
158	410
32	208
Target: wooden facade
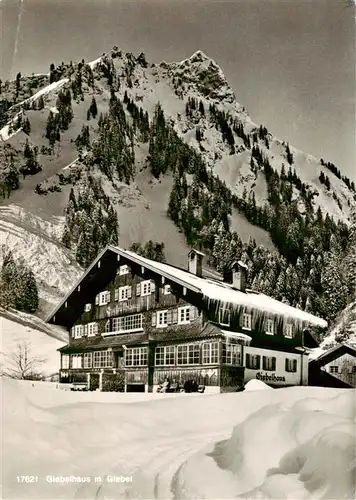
334	368
134	323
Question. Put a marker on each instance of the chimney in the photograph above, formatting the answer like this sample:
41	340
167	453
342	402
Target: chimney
239	272
195	262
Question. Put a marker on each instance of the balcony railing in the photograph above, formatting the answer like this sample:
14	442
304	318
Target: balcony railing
134	305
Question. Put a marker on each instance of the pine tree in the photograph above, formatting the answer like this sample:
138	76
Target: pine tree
27	299
333	282
26	127
93	108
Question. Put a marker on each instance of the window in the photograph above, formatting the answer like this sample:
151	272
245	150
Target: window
288	330
136	356
166	289
124	293
77	360
291	365
162	319
130	323
188	354
334	369
246	321
165	355
183	315
92	329
124	270
104	298
268	363
102	359
231	353
78	331
210	353
270	327
88	360
253	361
87	308
65	361
145	287
224	316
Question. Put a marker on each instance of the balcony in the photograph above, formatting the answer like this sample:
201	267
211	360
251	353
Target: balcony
134	305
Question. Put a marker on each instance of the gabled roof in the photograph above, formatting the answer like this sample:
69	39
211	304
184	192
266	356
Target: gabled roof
210	289
334	353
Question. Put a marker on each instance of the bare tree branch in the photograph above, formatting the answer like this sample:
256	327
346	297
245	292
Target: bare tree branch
22	365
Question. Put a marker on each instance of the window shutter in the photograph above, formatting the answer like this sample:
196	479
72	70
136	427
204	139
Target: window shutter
273	364
258	361
175	316
294	365
154	314
192	313
153	286
169	317
264	362
286	365
248	360
129	292
138	289
109	294
97	300
116	294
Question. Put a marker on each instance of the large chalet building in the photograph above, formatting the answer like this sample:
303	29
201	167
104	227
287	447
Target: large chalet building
134	323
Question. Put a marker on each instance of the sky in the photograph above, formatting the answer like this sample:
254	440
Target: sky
291	63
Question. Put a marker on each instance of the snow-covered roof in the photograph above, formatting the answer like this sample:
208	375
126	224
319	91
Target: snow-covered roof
224	292
320	353
211	290
238	335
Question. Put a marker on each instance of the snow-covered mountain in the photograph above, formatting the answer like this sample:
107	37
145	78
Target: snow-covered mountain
31	223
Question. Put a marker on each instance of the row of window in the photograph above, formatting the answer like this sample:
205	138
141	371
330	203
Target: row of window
124	293
90	330
253	362
132	323
181	315
337	369
246	323
96	359
188	354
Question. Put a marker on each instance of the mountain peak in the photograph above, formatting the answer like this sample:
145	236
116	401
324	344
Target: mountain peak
201	73
199	56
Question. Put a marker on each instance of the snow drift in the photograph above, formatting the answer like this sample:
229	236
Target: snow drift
287	443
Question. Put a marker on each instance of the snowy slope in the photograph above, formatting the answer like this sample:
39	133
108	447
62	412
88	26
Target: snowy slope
37	242
25	330
262	444
343	329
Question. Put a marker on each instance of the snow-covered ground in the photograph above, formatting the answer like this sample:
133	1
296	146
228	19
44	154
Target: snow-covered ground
20	332
295	443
